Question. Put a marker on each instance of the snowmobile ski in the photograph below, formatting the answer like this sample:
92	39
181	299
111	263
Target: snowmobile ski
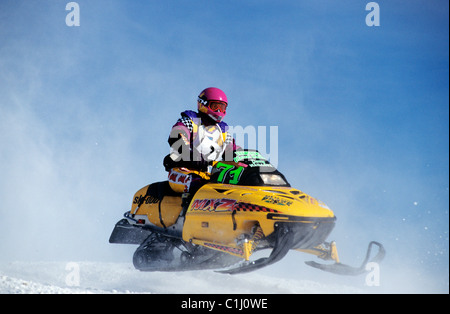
343	269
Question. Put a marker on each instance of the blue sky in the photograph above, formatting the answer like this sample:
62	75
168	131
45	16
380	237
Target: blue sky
362	112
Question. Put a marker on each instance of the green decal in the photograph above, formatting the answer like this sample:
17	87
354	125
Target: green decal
229	171
224	169
236	175
242	155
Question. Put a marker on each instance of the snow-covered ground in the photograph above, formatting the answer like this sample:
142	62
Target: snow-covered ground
122	278
102	277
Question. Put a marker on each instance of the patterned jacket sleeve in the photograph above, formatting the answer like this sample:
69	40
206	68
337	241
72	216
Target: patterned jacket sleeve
182	129
180	141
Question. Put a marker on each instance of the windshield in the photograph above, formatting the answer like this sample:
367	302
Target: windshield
248	168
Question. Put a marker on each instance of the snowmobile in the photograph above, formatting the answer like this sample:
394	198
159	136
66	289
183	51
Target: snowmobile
245	207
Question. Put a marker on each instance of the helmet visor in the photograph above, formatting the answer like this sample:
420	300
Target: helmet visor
217	106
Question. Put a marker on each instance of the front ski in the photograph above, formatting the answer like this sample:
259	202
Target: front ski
343	269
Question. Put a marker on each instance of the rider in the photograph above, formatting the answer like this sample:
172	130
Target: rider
197	139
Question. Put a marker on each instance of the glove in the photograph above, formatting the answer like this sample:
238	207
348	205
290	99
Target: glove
201	165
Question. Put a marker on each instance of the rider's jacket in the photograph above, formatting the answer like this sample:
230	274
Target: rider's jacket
195	140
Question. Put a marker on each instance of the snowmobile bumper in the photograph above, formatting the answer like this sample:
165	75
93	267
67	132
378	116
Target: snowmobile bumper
126	233
137	232
306	232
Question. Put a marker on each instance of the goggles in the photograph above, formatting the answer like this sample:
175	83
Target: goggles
215	105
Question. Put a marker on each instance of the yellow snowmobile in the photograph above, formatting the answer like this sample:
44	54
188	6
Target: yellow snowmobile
246	206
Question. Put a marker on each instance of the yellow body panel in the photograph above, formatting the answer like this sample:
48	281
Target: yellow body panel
222	213
170	207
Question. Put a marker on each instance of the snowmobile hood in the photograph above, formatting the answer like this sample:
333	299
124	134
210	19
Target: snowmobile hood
265	199
230	210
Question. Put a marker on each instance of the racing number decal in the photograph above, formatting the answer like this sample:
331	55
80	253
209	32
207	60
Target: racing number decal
236	174
224	169
230	171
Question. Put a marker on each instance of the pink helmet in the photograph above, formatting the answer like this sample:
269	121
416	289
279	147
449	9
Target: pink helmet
213	102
